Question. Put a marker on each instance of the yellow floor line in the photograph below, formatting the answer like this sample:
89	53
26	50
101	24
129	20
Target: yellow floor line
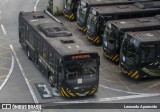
4	68
5	57
142	84
1	80
107	80
3	76
5	52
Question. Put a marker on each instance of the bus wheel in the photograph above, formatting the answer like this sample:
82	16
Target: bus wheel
51	80
28	54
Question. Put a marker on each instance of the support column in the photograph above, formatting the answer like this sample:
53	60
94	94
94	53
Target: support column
58	7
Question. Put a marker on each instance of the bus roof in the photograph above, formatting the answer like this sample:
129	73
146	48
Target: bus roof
134	23
110	2
45	25
130	8
146	36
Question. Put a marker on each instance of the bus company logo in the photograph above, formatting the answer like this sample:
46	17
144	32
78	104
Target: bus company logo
6	106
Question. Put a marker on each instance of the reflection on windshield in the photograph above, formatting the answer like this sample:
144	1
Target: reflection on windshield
130	49
148	53
109	38
68	5
91	23
80	69
81	13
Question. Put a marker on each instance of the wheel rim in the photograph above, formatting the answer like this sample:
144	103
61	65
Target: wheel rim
28	54
51	80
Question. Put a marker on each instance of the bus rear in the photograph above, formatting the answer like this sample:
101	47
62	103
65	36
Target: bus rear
81	75
140	54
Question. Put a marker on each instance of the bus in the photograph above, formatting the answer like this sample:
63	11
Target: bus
98	16
115	31
70	9
85	5
70	67
140	54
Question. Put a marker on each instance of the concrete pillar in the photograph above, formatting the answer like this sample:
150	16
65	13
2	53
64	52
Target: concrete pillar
58	7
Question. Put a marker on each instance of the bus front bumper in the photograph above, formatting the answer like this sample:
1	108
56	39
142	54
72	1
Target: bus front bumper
70	16
96	40
66	92
81	27
134	74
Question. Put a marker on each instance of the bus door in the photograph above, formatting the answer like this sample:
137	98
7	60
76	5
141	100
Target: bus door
60	73
44	58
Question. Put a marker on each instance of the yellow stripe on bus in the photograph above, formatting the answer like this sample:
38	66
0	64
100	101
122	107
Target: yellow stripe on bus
137	76
93	91
85	29
113	59
135	73
95	39
117	59
65	92
62	93
98	41
71	16
71	94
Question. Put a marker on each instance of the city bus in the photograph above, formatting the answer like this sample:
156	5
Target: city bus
115	31
140	54
85	5
70	9
98	16
70	67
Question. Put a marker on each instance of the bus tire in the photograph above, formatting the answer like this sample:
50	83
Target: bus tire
51	80
28	53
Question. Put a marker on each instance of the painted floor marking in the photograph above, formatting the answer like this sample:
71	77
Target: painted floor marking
111	98
3	29
35	6
9	74
118	90
25	77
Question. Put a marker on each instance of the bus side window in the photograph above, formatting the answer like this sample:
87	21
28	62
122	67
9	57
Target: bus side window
124	16
31	38
136	15
45	51
148	14
51	58
148	53
22	30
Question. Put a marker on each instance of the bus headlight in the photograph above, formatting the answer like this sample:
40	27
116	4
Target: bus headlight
124	58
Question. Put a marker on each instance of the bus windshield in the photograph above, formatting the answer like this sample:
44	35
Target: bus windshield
109	38
92	20
81	12
130	51
148	53
68	5
80	70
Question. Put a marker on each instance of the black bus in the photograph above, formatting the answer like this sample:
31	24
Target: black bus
71	68
140	54
115	31
70	9
85	5
98	16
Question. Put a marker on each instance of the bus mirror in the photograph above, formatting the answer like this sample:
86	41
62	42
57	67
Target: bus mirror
111	41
